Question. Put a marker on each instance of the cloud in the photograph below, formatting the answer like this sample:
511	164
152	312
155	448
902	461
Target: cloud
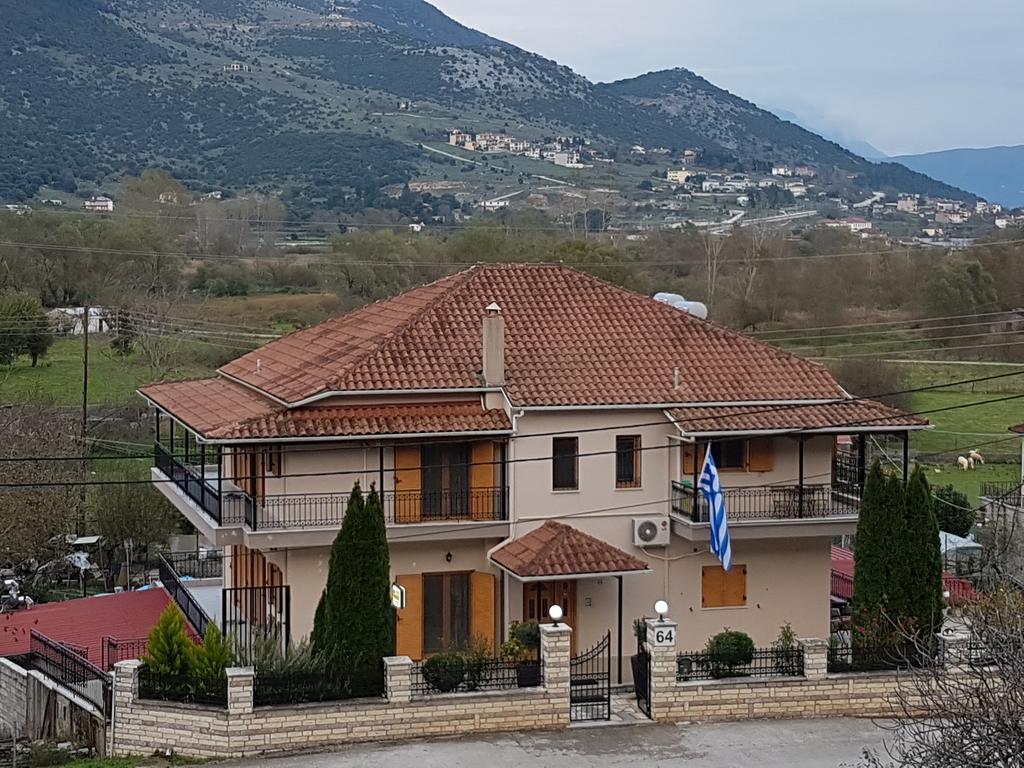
906	75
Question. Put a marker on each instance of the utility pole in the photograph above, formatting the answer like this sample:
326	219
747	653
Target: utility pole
85	415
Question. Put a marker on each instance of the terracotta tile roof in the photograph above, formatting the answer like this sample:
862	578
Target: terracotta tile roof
405	419
221	410
85	622
208	404
571	339
849	416
556	549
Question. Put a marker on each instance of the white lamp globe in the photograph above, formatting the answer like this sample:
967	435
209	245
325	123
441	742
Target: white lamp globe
661	608
555	612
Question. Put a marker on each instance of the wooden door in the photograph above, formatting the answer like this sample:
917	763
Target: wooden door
482	500
408	508
539	596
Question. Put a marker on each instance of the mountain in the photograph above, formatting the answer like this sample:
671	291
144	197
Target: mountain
995	173
839	136
307	96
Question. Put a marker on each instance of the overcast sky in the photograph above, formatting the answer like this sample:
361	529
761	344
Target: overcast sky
904	75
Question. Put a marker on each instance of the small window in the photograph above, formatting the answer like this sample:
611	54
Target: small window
627	461
730	454
273	460
565	463
723	589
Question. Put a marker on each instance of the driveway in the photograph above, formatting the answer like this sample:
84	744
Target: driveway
759	744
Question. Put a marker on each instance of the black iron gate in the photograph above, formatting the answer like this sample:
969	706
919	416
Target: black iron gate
254	614
642	677
590	683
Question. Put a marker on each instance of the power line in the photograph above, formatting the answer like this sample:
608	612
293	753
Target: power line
933	349
878	322
523	460
891	344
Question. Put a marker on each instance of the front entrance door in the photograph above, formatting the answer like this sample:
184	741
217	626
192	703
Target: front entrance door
538	596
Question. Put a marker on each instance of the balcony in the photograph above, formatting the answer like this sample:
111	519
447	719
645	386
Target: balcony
769	510
224	505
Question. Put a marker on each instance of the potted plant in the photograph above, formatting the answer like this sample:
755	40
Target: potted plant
522	647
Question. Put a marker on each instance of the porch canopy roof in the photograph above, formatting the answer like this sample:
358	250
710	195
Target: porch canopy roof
221	411
559	551
838	417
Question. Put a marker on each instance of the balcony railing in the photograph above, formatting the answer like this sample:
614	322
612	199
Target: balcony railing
327	510
1005	492
225	506
790	502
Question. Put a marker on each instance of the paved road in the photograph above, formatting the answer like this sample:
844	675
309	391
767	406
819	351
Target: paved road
763	744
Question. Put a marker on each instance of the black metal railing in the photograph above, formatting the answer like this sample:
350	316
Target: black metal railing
227	508
65	666
202	565
469	674
590	682
327	510
791	502
845	655
186	689
764	662
1002	491
186	601
115	650
251	615
281	689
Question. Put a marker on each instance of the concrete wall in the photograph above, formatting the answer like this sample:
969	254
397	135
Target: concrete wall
240	730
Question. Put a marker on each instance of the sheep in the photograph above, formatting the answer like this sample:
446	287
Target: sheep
976	456
963	462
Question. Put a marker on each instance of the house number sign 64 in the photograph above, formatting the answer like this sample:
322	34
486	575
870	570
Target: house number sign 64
664	637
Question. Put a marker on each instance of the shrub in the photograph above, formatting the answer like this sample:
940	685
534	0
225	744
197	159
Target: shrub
214	656
953	511
728	650
170	649
478	658
527	633
444	671
787	645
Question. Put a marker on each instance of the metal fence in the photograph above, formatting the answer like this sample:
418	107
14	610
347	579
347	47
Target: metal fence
253	614
846	655
460	674
187	689
764	662
1004	491
71	670
185	600
201	565
115	650
280	689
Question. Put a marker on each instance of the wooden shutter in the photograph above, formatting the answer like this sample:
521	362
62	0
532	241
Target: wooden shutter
722	589
408	501
481	481
409	634
481	617
690	451
761	455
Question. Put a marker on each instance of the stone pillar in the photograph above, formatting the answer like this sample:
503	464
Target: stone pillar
398	679
241	681
661	644
556	652
125	690
815	658
954	649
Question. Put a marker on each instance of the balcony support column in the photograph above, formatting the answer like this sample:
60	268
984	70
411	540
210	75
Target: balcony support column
800	486
697	459
906	456
862	459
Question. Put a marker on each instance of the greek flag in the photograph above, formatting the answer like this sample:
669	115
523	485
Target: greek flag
711	487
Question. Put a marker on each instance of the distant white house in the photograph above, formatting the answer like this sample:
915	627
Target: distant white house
99	204
781	170
678	175
236	66
69	320
852	223
17	208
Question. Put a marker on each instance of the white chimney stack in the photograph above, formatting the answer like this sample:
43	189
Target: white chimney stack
494	346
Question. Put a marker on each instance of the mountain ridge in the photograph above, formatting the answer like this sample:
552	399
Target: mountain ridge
995	173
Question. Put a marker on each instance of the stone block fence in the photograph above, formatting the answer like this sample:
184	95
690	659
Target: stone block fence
240	729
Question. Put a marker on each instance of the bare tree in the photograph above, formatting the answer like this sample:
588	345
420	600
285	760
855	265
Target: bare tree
713	245
967	712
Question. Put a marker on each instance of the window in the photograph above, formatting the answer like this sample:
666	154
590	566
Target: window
730	454
723	589
627	461
446	612
564	463
273	460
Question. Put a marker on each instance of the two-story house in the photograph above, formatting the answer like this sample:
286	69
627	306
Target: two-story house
537	435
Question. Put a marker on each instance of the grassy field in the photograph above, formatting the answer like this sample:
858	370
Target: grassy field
957	431
57	379
970	482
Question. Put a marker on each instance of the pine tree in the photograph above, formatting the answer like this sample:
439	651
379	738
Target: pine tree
924	556
354	624
214	656
170	650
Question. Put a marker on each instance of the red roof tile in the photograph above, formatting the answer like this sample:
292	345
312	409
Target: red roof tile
571	339
205	405
849	415
85	622
556	549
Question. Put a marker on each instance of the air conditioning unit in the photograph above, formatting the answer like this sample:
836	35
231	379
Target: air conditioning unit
651	532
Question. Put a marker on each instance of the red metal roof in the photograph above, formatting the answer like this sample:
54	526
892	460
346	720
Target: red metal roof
85	622
555	549
842	562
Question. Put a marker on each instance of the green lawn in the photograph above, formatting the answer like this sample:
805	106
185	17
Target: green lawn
970	482
957	431
58	377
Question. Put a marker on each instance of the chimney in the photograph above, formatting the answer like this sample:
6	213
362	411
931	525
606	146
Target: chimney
494	347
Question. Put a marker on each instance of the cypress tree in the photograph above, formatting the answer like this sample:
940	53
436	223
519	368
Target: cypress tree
214	655
170	651
924	583
354	624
